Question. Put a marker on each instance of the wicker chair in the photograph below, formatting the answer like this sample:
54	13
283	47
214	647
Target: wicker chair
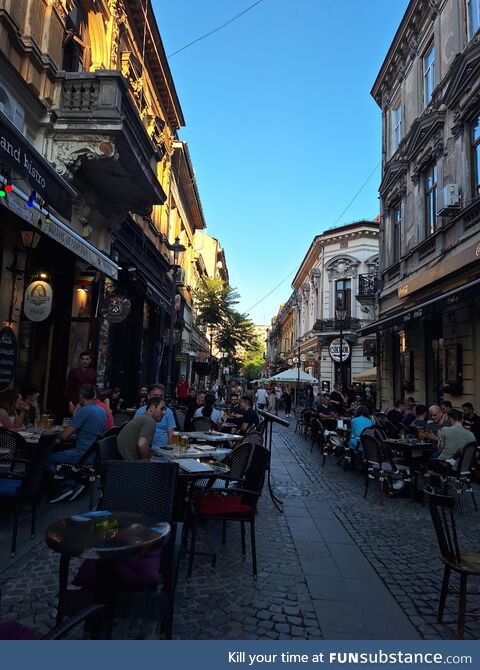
17	489
144	488
442	475
120	418
180	416
11	446
464	562
237	503
203	424
378	464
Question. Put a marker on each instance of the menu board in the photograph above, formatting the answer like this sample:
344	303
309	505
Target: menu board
8	356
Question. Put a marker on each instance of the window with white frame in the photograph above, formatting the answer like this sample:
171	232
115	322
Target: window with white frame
431	180
473	15
396	127
428	74
396	232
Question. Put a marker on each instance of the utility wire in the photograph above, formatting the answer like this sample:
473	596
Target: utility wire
346	209
215	30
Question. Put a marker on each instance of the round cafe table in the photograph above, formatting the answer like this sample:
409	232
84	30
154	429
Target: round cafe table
136	534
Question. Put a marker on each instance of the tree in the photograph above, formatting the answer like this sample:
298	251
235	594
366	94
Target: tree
253	361
214	300
235	333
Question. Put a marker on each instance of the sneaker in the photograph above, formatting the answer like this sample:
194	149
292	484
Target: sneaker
61	496
80	489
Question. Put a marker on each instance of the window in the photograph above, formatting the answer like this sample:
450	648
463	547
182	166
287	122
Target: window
396	232
396	126
431	200
476	156
343	292
428	74
74	53
473	12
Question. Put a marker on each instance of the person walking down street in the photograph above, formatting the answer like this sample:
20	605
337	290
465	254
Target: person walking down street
77	377
309	397
181	390
261	397
135	440
278	398
271	400
287	399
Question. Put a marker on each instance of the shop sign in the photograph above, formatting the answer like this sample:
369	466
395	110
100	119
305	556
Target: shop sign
334	350
8	356
181	358
116	308
17	152
37	303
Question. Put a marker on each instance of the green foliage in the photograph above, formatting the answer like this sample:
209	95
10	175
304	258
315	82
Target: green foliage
253	361
235	332
214	300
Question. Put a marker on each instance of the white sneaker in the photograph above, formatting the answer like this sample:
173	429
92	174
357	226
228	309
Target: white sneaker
62	496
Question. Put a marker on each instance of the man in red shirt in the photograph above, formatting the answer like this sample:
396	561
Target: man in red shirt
77	377
181	389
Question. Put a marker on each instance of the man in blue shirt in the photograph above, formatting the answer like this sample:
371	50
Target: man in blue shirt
88	423
165	427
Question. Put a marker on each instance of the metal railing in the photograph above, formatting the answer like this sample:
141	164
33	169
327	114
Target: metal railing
367	285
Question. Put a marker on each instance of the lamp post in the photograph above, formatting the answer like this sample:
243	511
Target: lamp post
340	315
298	360
177	249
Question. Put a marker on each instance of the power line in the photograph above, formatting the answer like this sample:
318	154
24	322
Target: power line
345	210
215	30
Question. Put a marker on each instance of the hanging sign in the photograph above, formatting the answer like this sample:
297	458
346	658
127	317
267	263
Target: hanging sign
334	350
116	308
8	356
37	303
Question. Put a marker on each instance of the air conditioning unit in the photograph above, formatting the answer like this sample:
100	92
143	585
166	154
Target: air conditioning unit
448	200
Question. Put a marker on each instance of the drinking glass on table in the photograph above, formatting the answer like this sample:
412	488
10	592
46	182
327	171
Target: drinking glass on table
421	435
175	437
44	420
183	443
38	422
49	422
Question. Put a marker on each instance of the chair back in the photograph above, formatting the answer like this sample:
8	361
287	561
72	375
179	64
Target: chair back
143	487
113	431
467	459
107	450
392	431
119	418
10	443
180	418
372	449
203	423
306	416
443	518
315	428
239	459
255	474
36	467
336	441
411	430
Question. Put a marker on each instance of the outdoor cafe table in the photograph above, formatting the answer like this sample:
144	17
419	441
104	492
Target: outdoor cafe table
205	436
413	453
136	534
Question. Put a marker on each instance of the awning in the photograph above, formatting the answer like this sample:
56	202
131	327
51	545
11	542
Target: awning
366	376
59	232
157	297
418	311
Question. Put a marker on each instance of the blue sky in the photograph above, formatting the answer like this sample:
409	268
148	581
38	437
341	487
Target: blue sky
280	123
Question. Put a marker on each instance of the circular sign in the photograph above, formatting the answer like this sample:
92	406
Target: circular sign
8	356
37	303
303	358
334	350
117	308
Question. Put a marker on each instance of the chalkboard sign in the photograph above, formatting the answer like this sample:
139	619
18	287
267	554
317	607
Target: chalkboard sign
8	357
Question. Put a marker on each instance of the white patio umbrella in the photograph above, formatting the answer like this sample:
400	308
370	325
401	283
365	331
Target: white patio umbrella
293	375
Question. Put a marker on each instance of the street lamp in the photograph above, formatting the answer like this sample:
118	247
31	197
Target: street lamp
341	315
178	250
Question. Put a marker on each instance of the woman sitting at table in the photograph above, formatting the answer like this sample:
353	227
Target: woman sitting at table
12	410
361	420
209	410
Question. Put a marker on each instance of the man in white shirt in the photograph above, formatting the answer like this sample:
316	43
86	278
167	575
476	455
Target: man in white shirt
278	397
261	396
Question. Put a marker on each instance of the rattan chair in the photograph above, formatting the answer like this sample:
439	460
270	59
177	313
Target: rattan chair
463	562
12	445
180	416
148	488
203	424
378	464
441	476
17	488
120	418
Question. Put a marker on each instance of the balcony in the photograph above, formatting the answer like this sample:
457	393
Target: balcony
368	286
99	138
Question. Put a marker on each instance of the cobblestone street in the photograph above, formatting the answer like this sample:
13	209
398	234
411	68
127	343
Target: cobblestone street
333	566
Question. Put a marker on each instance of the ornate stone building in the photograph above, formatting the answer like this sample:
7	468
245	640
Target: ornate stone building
428	89
97	187
340	267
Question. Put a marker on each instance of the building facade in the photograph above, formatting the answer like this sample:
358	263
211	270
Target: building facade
95	188
339	269
428	89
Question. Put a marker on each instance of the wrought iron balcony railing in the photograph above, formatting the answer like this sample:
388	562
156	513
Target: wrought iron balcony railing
367	285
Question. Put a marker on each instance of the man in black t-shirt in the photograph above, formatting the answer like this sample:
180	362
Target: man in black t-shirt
250	417
395	415
192	408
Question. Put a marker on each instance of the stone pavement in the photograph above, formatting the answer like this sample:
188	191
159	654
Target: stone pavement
333	566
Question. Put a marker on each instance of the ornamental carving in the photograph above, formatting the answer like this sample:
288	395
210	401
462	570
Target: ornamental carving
343	267
63	7
430	154
396	193
68	151
118	19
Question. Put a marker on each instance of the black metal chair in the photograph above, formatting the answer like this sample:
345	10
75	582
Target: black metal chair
236	503
463	562
18	488
148	488
393	433
83	474
113	432
378	464
120	418
11	446
180	416
203	423
316	433
441	476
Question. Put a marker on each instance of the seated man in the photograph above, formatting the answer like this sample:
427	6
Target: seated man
420	420
409	416
327	410
192	408
439	421
135	438
250	417
88	424
451	439
395	415
165	427
471	420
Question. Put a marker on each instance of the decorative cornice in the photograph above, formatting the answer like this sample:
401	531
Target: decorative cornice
429	125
